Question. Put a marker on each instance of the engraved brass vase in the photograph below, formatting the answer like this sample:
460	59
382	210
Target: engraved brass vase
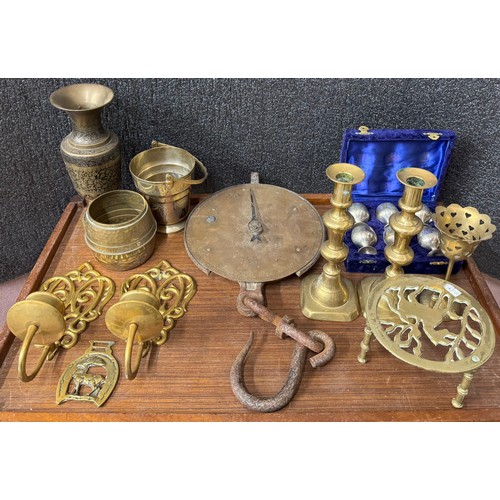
91	153
120	229
164	175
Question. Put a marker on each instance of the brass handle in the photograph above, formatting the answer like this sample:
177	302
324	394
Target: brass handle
157	144
130	372
23	354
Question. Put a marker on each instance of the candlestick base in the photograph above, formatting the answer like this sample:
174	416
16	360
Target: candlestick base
313	309
364	287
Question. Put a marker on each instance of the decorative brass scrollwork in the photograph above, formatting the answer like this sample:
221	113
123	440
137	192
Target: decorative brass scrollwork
58	314
150	304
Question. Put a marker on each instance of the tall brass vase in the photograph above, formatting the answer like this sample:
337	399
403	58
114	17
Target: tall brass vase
91	153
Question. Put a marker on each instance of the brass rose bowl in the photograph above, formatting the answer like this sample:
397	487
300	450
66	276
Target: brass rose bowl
461	230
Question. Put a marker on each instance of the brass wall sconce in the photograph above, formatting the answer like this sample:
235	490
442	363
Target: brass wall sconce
58	313
460	232
149	306
329	297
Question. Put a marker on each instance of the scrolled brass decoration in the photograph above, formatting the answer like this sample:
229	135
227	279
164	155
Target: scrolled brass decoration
149	306
84	372
58	314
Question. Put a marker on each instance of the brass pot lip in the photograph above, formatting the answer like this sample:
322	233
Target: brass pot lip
60	92
154	151
333	170
120	225
428	178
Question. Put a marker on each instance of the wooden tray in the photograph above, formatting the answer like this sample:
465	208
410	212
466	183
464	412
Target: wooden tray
187	379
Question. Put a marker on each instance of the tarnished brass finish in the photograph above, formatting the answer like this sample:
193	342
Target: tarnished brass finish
86	372
220	239
461	229
91	153
255	233
56	315
150	304
329	297
405	225
120	229
432	324
164	175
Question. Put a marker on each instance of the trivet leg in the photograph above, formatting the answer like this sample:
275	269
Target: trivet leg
365	344
462	390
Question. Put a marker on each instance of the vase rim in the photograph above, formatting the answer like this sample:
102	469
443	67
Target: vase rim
81	97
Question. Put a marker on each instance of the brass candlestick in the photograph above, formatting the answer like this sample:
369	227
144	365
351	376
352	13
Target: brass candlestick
329	297
405	225
460	232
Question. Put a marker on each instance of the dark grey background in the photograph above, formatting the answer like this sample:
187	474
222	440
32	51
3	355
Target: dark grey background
288	130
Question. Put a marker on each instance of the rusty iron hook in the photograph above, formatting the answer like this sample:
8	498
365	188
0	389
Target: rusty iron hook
291	385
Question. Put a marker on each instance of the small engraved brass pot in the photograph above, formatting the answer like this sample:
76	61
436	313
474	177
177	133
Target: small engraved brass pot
164	175
120	229
91	153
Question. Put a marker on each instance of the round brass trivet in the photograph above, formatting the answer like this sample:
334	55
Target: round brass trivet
432	324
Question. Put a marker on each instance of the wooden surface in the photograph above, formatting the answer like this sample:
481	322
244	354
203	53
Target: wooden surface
188	377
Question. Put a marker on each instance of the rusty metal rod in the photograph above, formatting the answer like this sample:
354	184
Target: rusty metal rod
282	326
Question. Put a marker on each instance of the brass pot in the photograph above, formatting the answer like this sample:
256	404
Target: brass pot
164	175
120	229
91	153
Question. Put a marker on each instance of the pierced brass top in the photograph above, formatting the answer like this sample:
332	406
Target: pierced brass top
464	223
430	323
218	237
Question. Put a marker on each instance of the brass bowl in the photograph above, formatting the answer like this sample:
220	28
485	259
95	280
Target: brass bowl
120	229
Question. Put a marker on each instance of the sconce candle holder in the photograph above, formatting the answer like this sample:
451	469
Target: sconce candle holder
58	314
149	306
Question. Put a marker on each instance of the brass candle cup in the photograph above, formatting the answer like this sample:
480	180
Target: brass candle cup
164	176
330	297
120	229
461	229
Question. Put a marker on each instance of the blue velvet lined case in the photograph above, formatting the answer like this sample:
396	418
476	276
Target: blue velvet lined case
381	153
